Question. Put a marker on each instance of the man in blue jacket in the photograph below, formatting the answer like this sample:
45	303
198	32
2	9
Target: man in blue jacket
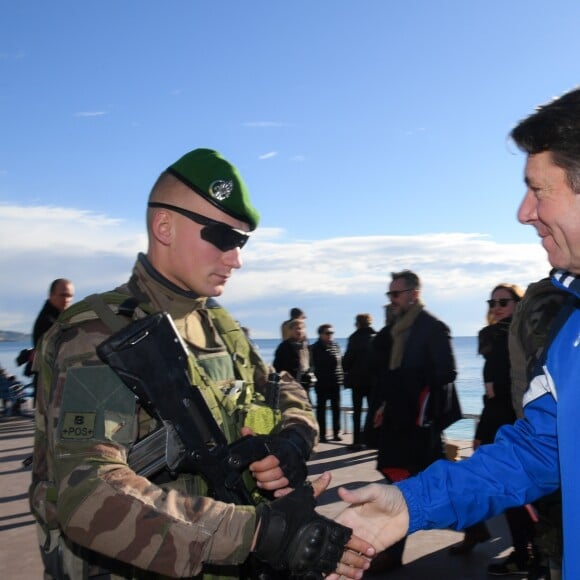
540	452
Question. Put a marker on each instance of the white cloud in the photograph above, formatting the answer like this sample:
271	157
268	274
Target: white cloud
90	114
41	243
268	155
332	279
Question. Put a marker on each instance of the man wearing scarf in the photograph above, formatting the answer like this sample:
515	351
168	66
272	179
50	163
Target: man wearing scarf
413	358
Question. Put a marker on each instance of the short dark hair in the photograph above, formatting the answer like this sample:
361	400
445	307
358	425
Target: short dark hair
296	312
554	127
324	328
411	279
363	320
55	283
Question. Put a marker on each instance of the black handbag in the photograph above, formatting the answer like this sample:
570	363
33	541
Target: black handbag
445	408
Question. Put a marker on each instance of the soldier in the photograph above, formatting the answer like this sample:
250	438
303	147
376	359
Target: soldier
97	516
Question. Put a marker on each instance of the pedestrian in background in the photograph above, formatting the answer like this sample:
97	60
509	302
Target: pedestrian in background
327	364
293	355
295	314
60	296
497	411
413	358
357	373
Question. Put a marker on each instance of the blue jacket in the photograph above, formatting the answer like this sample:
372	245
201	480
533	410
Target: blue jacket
528	459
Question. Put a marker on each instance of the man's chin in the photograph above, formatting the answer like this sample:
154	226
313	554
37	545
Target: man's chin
216	291
557	260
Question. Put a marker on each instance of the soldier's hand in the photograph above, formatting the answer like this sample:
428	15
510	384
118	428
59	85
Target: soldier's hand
292	536
267	472
285	468
377	513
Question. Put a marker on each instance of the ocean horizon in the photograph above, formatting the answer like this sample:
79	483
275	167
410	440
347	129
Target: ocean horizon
469	382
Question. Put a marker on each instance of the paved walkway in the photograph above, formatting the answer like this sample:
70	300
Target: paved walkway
425	553
19	557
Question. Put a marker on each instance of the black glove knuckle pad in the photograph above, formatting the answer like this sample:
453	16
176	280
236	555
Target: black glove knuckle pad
318	546
293	536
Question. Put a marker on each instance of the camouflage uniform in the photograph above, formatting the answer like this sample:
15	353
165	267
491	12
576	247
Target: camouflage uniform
95	514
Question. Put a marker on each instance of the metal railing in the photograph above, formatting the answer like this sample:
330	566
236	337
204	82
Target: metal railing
346	417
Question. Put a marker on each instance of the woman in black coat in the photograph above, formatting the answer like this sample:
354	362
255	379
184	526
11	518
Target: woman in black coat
497	411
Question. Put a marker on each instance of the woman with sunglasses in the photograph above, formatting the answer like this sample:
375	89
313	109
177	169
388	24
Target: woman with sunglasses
497	411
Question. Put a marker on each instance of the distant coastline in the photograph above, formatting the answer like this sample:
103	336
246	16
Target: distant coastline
11	336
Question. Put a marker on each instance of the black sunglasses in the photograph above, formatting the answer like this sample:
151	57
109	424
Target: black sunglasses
503	302
396	293
221	235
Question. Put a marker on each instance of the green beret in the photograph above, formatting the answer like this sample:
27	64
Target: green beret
217	181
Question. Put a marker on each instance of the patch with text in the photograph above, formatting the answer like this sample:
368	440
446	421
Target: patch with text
78	425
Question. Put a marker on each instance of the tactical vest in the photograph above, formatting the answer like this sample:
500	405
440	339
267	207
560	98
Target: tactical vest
234	407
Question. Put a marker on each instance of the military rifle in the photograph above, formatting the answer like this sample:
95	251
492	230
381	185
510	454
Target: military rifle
152	360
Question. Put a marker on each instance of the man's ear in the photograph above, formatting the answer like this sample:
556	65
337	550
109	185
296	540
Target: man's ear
162	227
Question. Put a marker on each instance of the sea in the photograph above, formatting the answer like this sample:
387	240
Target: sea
469	381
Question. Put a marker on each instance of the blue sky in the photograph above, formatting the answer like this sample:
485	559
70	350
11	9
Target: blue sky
372	135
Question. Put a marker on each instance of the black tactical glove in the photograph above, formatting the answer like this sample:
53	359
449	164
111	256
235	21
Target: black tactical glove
292	451
292	536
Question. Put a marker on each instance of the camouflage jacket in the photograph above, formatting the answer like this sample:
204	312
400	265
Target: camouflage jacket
90	505
528	334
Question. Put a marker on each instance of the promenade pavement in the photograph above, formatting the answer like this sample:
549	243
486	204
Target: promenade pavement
425	554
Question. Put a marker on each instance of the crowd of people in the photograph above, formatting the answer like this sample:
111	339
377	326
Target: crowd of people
99	513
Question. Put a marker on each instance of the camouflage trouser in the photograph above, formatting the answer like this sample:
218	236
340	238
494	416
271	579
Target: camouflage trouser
59	562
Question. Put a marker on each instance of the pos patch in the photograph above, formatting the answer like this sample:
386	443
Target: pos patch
96	406
78	426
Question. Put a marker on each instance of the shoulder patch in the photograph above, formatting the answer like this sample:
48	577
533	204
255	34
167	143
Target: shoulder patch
78	426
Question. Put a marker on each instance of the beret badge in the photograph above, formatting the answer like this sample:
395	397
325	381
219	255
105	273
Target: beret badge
221	189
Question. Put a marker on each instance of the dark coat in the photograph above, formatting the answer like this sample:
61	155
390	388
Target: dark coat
355	362
497	411
327	365
294	357
427	362
45	319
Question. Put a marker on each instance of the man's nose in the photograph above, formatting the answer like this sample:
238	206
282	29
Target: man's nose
233	258
527	212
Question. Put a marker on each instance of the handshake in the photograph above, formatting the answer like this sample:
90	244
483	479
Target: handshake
291	536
